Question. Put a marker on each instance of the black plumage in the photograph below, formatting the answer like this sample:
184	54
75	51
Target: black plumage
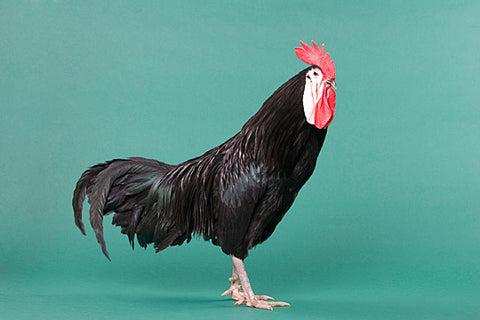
234	194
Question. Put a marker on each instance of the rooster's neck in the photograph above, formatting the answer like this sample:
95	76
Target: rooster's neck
278	133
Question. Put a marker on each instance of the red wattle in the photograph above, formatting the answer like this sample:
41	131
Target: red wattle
325	108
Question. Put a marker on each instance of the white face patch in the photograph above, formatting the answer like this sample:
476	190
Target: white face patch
312	93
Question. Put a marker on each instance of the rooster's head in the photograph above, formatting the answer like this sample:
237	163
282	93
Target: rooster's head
318	96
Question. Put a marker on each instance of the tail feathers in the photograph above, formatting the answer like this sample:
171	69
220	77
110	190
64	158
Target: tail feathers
80	192
98	198
119	185
128	221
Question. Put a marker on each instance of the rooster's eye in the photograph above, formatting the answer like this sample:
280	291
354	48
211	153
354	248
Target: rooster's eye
315	73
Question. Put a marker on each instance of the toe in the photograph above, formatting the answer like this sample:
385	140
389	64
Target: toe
268	305
234	289
227	292
240	297
279	304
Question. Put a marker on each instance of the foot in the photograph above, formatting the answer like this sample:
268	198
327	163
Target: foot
237	294
244	293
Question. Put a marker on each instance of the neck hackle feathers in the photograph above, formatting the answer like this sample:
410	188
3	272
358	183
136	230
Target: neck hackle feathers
317	57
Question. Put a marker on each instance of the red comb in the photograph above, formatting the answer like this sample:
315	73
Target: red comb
316	56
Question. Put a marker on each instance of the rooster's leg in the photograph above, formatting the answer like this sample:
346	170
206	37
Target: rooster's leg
245	292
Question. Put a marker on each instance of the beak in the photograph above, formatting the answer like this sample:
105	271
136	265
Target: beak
332	83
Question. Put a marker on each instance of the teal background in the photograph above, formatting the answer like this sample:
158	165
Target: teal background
387	227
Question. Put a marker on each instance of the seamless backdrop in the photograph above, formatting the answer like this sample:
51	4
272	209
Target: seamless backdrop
388	227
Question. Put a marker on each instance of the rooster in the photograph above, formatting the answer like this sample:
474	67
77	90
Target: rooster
236	193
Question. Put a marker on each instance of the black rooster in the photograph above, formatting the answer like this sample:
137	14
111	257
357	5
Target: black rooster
235	194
